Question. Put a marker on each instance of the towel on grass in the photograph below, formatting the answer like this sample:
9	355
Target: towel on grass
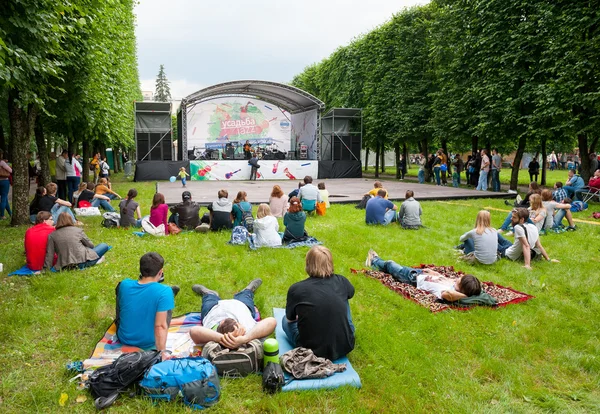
491	295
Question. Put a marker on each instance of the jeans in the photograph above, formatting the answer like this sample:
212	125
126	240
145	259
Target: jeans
111	196
503	244
482	185
100	250
209	301
253	171
421	175
469	246
72	186
4	187
398	272
579	193
389	217
436	171
559	216
496	180
571	190
62	189
174	218
96	202
183	181
292	332
57	210
32	218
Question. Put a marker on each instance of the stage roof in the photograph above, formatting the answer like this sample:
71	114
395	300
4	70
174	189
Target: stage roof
292	99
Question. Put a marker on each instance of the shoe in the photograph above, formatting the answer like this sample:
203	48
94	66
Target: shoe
459	247
203	228
509	233
101	260
370	256
255	284
506	202
571	228
175	289
203	290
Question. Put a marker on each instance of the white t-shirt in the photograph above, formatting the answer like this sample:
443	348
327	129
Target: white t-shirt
229	308
515	251
535	214
435	284
550	208
105	168
266	232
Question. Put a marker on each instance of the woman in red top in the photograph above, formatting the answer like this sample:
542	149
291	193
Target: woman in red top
159	211
36	240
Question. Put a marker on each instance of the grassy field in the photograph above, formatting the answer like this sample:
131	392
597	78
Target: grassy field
551	176
538	356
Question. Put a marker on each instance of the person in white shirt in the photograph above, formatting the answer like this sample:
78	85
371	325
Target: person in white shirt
428	280
309	195
527	240
230	322
266	228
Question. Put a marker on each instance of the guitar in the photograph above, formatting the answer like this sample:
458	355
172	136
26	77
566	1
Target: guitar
206	169
288	174
275	167
231	173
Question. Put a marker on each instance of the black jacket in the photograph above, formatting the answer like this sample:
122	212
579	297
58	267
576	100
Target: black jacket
188	214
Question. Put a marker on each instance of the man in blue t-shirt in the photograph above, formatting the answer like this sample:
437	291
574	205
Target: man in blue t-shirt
144	306
379	210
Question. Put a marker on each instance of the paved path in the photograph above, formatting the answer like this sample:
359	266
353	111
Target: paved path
340	190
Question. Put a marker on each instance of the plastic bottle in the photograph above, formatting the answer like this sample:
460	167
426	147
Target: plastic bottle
271	351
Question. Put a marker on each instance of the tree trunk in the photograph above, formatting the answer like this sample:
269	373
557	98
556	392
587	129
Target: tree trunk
117	160
474	144
366	159
85	155
377	150
593	145
3	142
40	141
21	122
382	155
397	160
514	175
425	147
584	156
445	146
544	162
405	155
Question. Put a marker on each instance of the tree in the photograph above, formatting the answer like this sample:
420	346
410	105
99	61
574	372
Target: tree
163	92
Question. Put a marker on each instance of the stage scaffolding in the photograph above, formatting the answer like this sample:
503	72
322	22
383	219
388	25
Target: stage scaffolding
341	134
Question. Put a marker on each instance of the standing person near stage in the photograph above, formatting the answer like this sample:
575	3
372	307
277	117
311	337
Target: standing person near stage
421	162
278	202
61	175
534	168
95	166
104	168
496	167
247	150
254	166
482	185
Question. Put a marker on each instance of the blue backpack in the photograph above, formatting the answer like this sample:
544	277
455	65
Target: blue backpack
194	379
577	206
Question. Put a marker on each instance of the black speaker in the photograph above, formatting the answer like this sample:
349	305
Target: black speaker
346	148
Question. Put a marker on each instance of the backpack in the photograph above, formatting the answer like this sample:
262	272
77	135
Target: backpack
111	220
239	235
363	203
235	363
107	382
273	378
247	219
194	378
577	206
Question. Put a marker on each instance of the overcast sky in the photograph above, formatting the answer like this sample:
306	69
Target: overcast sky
202	43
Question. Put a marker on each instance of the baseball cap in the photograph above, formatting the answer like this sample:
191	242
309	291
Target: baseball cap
186	195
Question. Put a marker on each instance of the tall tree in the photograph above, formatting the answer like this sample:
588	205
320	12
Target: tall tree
163	92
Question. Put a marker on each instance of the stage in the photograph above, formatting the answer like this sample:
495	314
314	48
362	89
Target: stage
340	190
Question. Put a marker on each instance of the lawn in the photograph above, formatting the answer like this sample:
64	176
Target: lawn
541	355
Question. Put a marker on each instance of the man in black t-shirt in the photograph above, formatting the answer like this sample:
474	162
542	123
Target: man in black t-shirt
317	312
53	204
185	214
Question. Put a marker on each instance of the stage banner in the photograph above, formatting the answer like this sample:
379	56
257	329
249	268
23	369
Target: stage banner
224	170
234	120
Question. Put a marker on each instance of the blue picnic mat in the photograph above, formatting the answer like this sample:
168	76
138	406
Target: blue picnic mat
349	377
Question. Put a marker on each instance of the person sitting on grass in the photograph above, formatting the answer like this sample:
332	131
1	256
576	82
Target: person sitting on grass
294	193
240	206
144	307
186	214
54	205
593	186
428	280
34	206
324	194
95	199
559	195
376	187
36	241
294	221
266	228
534	188
555	212
379	210
410	213
277	202
309	195
220	212
103	188
481	243
537	212
127	209
527	243
230	322
73	247
158	212
317	311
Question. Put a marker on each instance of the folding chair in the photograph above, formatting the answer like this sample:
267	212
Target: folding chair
589	193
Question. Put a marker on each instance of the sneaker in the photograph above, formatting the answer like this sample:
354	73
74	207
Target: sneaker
506	202
571	228
203	290
509	233
101	260
175	289
370	256
459	247
203	228
255	284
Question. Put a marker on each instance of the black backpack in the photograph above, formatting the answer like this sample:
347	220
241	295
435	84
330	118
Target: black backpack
247	219
111	220
107	382
273	378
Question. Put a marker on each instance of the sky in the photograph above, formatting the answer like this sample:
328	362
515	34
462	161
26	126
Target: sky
203	43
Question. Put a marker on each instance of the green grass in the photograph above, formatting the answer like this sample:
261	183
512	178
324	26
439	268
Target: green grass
538	356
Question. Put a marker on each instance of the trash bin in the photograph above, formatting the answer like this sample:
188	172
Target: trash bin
128	169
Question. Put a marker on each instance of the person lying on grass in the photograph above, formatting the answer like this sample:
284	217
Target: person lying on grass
427	280
230	322
527	240
144	307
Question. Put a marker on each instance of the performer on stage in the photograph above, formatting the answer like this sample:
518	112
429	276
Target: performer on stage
247	150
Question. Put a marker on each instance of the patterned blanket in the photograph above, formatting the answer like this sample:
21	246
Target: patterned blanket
503	295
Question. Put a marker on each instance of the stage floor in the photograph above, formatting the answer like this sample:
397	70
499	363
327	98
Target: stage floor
340	190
